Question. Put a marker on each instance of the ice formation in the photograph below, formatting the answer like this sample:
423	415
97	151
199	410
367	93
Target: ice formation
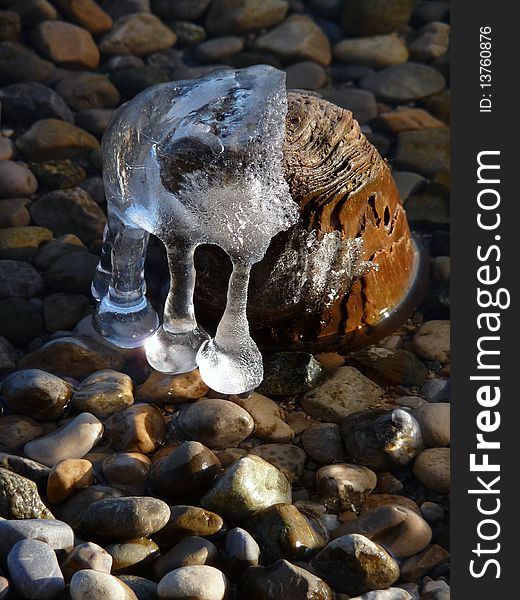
193	162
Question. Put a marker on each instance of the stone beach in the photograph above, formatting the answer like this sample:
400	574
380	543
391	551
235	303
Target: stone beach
331	481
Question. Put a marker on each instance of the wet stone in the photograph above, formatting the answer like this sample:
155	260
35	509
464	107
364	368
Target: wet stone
202	582
36	393
268	417
103	393
19	498
162	388
216	423
289	459
240	551
17	430
190	551
132	555
66	477
354	565
26	467
140	34
288	373
128	471
18	278
389	366
138	428
188	520
382	439
322	442
20	64
88	584
186	473
86	556
284	580
247	485
232	17
432	469
282	531
34	570
62	311
16	180
345	392
371	17
344	486
377	500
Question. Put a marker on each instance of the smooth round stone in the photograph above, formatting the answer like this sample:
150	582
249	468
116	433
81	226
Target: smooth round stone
14	213
66	477
424	151
34	570
282	531
323	444
216	423
289	373
73	272
20	498
143	588
94	120
128	471
58	174
7	148
139	428
88	584
189	520
73	440
124	518
103	393
163	388
37	393
432	512
287	458
241	550
434	420
436	390
200	582
390	366
188	34
441	266
345	392
22	243
417	566
232	17
432	341
87	14
72	509
16	180
217	49
21	321
86	556
86	91
344	487
376	52
284	580
306	75
186	473
20	64
62	311
248	485
190	551
17	430
10	25
393	593
370	17
132	554
268	417
382	439
139	34
430	42
354	565
58	535
19	279
56	248
27	102
26	467
404	83
95	188
432	469
378	500
361	102
132	81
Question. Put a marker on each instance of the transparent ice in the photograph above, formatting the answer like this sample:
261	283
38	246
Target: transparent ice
193	162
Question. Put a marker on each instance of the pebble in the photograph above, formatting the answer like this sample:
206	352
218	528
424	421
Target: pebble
268	417
163	388
20	498
407	119
372	17
66	44
441	268
120	8
188	520
186	473
404	83
216	423
7	355
432	512
435	590
25	467
382	439
62	311
244	16
432	469
392	593
375	52
218	49
34	11
138	428
21	320
408	183
188	34
240	551
397	367
73	272
69	211
435	421
344	486
284	580
53	139
72	509
94	120
58	174
282	531
83	91
132	555
118	519
305	74
415	567
94	187
346	391
72	357
376	500
56	248
34	570
22	243
14	213
127	471
86	556
287	458
66	477
88	584
322	442
432	341
18	278
247	485
10	26
183	10
19	64
193	550
143	588
7	148
131	82
361	103
37	393
72	440
430	42
297	38
436	390
56	534
289	373
16	180
103	393
17	430
139	34
86	13
200	582
424	151
353	564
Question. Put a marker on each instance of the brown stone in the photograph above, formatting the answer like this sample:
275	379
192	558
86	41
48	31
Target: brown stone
162	388
86	13
432	469
88	90
127	471
103	393
17	430
138	34
243	16
407	119
139	428
67	476
189	520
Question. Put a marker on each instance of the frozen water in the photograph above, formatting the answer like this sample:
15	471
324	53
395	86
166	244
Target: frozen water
193	162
